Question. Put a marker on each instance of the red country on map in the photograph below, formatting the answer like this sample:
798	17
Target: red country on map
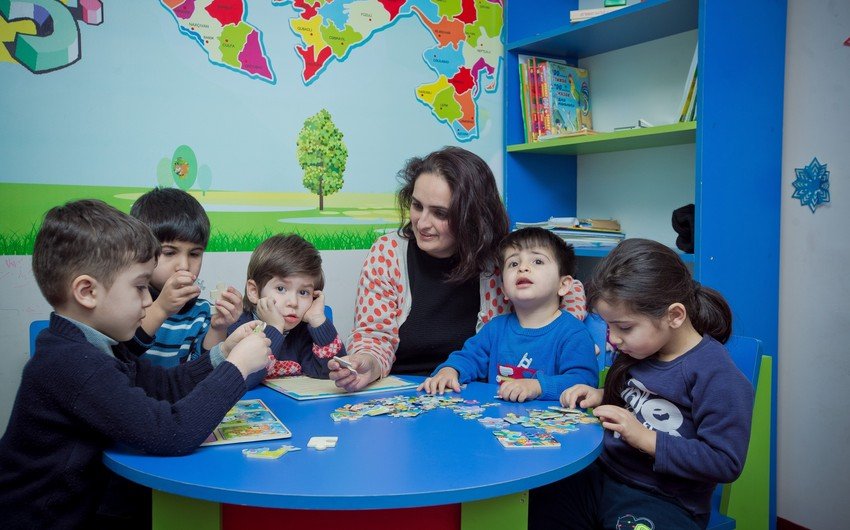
226	11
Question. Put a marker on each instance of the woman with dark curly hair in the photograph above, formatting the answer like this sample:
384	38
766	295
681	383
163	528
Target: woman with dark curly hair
431	285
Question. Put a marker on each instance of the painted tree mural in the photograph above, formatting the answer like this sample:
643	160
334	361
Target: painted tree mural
204	178
322	155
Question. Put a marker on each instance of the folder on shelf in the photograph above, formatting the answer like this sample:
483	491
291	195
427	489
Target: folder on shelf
581	223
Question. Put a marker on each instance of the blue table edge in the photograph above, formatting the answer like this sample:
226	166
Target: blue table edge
354	502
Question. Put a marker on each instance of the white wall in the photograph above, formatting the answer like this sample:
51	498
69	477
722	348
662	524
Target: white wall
814	332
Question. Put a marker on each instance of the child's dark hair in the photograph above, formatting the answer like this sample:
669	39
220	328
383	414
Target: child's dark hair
476	214
648	277
87	237
173	215
283	255
531	237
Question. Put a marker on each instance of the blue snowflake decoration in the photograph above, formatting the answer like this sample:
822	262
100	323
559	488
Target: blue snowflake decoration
811	185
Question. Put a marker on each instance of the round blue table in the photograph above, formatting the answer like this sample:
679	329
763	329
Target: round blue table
379	462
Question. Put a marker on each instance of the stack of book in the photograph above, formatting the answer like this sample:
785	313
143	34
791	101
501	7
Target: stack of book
555	98
583	233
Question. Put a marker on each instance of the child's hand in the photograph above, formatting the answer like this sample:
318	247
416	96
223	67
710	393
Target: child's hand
269	314
251	354
228	309
178	289
238	334
446	379
366	370
315	315
631	430
520	390
583	396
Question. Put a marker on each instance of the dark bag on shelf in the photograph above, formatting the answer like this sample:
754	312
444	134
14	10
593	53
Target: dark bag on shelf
683	224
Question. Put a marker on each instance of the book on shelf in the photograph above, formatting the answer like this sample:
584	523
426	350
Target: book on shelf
573	223
580	15
530	224
530	97
555	98
581	233
583	223
687	106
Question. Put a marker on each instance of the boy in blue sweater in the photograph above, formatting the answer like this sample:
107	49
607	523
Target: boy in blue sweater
180	325
538	350
84	391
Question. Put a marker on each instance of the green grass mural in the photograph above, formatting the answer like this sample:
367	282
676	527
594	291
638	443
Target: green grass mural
240	220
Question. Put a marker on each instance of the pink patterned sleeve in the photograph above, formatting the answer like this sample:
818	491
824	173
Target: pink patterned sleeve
574	302
493	303
378	306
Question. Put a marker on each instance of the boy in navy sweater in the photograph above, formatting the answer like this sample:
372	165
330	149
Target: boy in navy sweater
180	325
83	391
284	290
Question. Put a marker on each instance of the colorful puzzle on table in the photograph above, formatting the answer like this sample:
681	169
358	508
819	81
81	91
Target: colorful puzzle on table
553	420
510	438
556	420
269	454
397	406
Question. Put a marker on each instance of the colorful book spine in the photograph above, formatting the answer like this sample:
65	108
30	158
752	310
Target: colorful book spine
525	101
545	97
532	83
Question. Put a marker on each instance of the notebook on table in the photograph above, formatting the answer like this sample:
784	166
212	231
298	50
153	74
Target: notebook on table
301	387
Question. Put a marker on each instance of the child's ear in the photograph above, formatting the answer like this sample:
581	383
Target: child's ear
565	285
85	291
676	315
252	291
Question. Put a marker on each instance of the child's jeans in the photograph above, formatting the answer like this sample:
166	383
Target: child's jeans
592	499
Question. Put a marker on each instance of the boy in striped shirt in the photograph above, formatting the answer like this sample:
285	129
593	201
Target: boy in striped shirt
180	325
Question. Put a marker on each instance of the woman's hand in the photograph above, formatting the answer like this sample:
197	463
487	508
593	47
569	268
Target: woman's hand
366	370
583	396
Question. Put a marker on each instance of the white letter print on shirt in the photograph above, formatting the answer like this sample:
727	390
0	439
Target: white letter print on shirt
657	414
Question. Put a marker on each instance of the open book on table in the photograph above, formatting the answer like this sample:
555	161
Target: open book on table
301	387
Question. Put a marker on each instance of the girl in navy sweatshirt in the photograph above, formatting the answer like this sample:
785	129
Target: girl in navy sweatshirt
675	408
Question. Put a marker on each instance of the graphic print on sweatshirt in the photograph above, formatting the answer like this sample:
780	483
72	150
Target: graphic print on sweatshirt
655	413
522	370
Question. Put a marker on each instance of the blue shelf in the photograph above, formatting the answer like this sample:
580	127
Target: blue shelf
638	23
602	252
